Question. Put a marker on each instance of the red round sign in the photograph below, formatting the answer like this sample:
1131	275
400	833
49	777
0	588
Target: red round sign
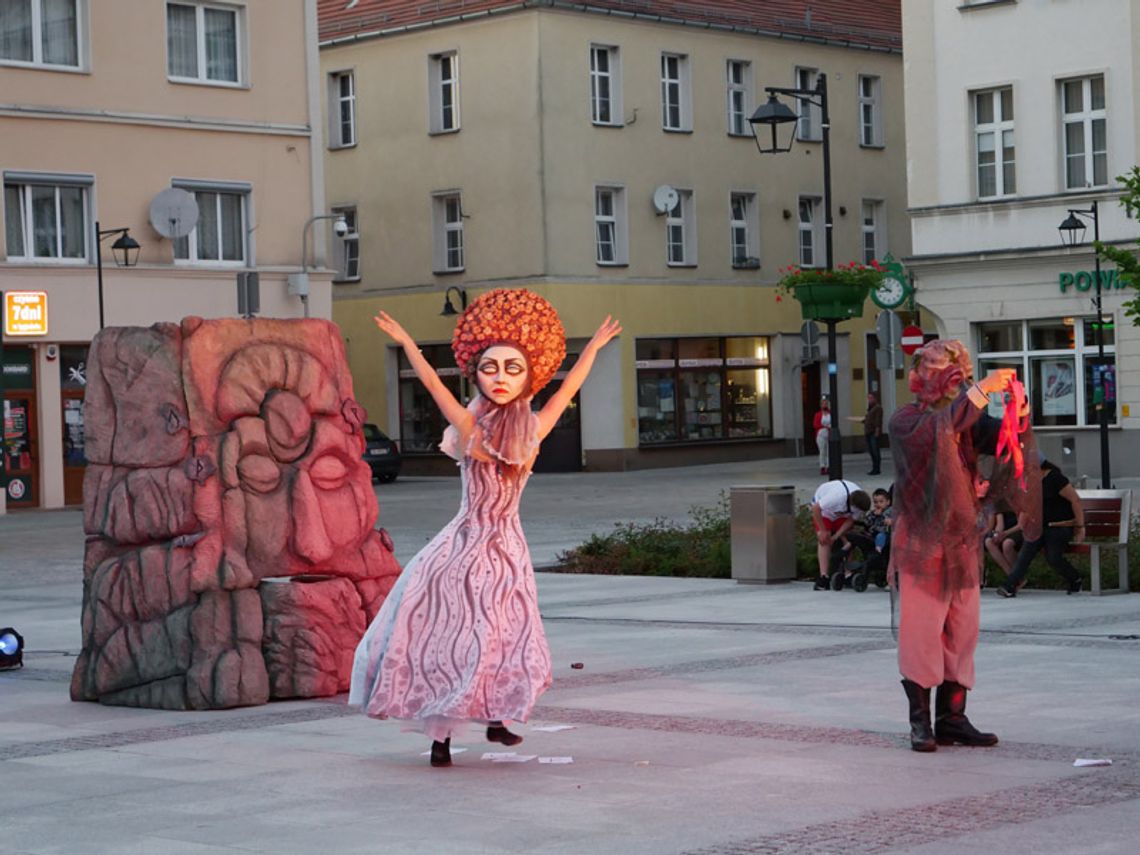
911	339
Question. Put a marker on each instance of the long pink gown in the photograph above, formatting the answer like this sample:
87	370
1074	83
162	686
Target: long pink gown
460	638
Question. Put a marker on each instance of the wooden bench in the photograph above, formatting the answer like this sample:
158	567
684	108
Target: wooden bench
1107	517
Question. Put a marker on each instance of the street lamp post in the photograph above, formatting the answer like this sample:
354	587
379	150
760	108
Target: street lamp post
299	282
1072	233
125	251
773	114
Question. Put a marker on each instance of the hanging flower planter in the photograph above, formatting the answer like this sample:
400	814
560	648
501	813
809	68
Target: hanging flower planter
826	295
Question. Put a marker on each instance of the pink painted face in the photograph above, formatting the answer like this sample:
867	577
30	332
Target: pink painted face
502	373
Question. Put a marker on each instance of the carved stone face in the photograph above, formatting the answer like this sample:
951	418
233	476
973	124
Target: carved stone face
502	373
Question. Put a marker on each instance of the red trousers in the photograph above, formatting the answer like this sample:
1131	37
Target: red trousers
938	632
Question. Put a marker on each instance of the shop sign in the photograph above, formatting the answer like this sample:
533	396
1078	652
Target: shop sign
1085	280
17	489
25	313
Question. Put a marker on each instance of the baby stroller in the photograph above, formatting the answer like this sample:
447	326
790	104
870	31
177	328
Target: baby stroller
861	560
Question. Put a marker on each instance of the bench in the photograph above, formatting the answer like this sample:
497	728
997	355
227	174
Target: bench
1107	517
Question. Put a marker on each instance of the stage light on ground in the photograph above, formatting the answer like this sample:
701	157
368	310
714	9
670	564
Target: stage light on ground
11	649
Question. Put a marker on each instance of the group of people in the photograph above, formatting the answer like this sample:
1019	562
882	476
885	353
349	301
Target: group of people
459	639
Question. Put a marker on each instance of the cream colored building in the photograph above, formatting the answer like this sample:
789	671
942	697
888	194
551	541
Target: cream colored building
106	104
606	162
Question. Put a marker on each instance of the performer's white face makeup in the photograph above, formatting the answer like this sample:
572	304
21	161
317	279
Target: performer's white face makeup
502	373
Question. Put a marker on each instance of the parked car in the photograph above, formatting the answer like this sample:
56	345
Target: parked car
381	455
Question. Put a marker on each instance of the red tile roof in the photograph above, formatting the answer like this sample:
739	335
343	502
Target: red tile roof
863	23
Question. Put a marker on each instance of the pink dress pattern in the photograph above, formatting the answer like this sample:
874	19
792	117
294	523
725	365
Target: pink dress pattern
460	638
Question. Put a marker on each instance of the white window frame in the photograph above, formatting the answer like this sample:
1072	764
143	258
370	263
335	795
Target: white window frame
218	189
810	248
443	84
37	33
743	230
994	134
23	184
681	231
870	110
348	245
609	78
342	109
449	251
676	100
200	29
1086	118
871	223
612	226
809	128
738	96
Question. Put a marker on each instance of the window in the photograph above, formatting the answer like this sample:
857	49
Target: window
421	422
40	32
342	109
810	126
605	85
703	389
202	43
676	113
810	223
739	83
443	81
870	110
1056	359
744	230
993	137
681	232
1085	136
610	237
220	235
46	217
872	223
348	247
447	221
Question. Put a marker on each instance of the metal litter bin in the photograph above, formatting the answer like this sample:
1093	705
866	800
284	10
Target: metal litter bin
762	521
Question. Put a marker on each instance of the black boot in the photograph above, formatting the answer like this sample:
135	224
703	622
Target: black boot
921	736
822	583
950	722
441	752
497	733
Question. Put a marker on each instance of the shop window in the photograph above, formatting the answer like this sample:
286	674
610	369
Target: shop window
1059	366
703	389
421	422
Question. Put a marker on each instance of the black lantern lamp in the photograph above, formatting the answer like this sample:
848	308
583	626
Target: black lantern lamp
448	307
11	649
1072	230
125	250
773	114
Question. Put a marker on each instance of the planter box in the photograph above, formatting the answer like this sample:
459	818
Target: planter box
824	301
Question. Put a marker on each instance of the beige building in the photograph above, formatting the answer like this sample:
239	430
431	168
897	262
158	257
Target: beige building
602	156
102	115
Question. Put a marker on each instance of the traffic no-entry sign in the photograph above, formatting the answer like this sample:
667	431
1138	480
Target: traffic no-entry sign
911	339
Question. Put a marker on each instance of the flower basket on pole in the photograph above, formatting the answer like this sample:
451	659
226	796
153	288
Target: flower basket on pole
837	294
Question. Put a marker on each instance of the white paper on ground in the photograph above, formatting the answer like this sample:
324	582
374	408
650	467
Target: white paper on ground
507	757
555	759
553	728
1092	761
453	751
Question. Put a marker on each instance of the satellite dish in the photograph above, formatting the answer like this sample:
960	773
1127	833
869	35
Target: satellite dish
174	213
665	198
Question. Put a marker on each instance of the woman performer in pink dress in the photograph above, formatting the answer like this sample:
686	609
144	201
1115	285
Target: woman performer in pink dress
459	638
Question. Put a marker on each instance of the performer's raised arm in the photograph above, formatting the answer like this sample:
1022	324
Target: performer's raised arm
550	414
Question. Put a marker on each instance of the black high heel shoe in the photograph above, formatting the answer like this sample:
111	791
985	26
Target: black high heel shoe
441	752
497	733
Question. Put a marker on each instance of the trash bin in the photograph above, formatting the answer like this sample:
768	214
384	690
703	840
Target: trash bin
762	521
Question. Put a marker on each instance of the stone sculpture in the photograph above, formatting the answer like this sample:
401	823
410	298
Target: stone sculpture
231	555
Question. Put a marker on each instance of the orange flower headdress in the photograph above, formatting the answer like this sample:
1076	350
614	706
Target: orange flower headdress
516	317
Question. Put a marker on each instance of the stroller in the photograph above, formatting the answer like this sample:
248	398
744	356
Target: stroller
861	560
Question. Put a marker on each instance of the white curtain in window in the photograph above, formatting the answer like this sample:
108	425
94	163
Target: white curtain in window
221	45
230	204
16	30
181	40
71	222
43	222
60	32
208	226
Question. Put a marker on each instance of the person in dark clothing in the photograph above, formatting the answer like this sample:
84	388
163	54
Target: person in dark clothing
1063	521
872	430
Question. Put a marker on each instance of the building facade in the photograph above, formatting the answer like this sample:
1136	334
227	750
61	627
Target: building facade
602	156
1006	135
191	128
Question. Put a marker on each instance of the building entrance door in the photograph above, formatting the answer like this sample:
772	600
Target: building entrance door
561	451
810	396
21	461
73	385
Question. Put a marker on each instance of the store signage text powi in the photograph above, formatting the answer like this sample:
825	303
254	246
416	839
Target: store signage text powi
1085	280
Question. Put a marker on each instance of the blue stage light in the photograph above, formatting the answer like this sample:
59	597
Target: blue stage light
11	649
